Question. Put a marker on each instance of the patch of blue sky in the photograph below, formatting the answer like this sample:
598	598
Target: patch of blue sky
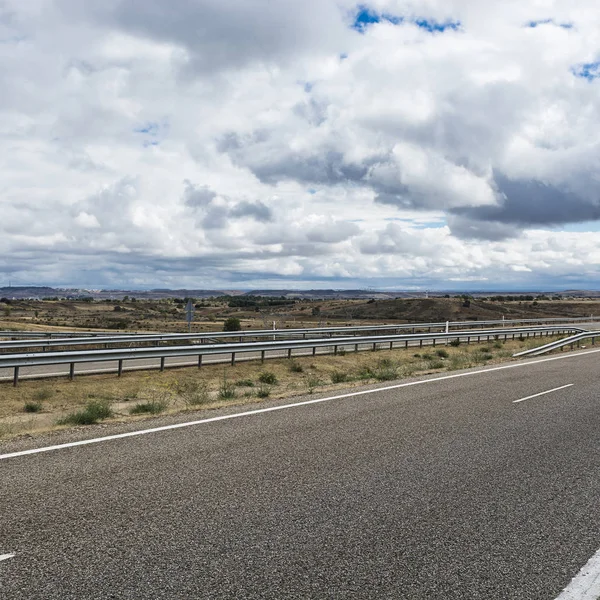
435	27
589	71
419	224
534	24
149	128
583	227
365	17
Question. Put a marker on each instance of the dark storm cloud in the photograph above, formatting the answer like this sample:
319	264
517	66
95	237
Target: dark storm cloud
523	203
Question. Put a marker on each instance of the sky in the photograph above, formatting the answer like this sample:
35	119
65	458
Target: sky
240	144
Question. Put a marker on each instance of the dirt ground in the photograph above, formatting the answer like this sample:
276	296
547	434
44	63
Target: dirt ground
169	315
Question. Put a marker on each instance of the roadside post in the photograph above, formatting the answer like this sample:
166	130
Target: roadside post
189	315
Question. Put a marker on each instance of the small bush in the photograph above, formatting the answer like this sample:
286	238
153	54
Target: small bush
193	393
498	345
312	382
386	373
232	324
267	377
244	383
416	355
455	343
341	352
32	407
296	367
226	391
366	373
339	377
427	356
263	391
436	364
442	353
152	407
521	338
42	394
484	349
385	363
94	411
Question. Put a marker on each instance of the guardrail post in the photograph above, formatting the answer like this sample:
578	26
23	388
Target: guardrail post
468	339
289	353
120	368
232	359
355	347
420	343
16	377
199	360
434	342
391	345
314	350
406	344
162	363
374	346
335	350
262	356
72	371
593	341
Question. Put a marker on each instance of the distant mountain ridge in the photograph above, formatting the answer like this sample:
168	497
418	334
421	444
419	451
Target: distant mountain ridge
28	292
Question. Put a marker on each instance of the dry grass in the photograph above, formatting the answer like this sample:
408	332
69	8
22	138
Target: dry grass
193	389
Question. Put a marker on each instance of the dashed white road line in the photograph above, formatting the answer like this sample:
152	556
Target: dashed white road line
5	556
287	406
586	584
562	387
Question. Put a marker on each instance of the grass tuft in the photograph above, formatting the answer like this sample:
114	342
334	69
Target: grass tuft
152	407
267	377
94	411
32	407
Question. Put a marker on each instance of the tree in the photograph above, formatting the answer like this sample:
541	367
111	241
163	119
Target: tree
232	324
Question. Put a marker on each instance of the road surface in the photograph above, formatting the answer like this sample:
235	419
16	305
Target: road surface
483	484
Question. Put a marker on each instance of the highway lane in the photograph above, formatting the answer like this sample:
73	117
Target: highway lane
443	489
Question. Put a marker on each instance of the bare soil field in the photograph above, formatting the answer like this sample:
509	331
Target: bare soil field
169	315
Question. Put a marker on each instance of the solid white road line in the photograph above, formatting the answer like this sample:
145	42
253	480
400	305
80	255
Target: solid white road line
286	406
562	387
5	556
586	584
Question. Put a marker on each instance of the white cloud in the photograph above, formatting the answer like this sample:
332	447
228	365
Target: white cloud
236	143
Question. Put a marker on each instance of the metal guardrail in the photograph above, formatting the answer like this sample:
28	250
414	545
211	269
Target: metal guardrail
570	341
17	361
64	334
124	337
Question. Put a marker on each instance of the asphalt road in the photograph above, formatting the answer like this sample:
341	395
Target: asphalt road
445	489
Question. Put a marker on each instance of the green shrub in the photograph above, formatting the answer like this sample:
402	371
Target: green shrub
232	324
442	353
386	373
263	391
244	383
339	377
193	393
296	367
153	407
498	345
94	411
436	364
312	382
32	407
267	377
455	343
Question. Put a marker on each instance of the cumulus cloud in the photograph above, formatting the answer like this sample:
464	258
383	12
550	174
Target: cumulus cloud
320	142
